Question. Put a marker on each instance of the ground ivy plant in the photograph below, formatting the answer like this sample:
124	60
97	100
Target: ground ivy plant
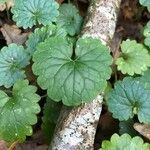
27	13
18	112
71	71
73	79
69	19
12	61
134	58
128	98
124	142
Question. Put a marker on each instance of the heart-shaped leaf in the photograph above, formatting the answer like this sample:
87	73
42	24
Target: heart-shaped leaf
72	79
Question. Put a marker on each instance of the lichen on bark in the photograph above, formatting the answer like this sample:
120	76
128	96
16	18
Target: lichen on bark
76	127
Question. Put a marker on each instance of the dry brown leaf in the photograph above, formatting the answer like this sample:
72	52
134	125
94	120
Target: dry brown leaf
13	34
13	145
143	129
3	145
2	7
6	5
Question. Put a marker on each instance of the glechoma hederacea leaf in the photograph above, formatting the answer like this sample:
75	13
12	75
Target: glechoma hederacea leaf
12	61
69	19
18	112
129	98
40	34
134	58
125	142
73	80
27	13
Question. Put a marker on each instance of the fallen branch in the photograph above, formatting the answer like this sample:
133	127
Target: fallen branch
77	126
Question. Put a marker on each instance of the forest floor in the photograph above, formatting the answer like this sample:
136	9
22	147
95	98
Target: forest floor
131	20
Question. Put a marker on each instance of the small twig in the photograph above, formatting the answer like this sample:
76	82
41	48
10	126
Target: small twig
8	91
7	11
60	1
13	145
43	96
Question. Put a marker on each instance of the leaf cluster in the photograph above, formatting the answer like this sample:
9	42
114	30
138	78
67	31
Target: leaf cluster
128	100
70	70
125	142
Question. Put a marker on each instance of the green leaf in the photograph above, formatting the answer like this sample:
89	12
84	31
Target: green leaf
145	3
134	59
18	112
3	1
69	19
12	60
148	8
73	80
145	79
50	116
40	34
125	142
127	127
128	98
27	13
147	34
107	90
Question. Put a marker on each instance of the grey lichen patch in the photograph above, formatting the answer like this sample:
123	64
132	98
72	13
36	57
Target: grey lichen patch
101	20
79	127
76	127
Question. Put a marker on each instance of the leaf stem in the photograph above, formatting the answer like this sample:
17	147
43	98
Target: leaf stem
8	92
43	96
7	11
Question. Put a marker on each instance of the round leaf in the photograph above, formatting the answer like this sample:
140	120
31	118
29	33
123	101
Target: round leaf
128	98
74	81
124	142
12	60
40	34
27	13
69	19
18	113
134	59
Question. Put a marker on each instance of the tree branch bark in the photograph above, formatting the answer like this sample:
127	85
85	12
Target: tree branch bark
77	126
